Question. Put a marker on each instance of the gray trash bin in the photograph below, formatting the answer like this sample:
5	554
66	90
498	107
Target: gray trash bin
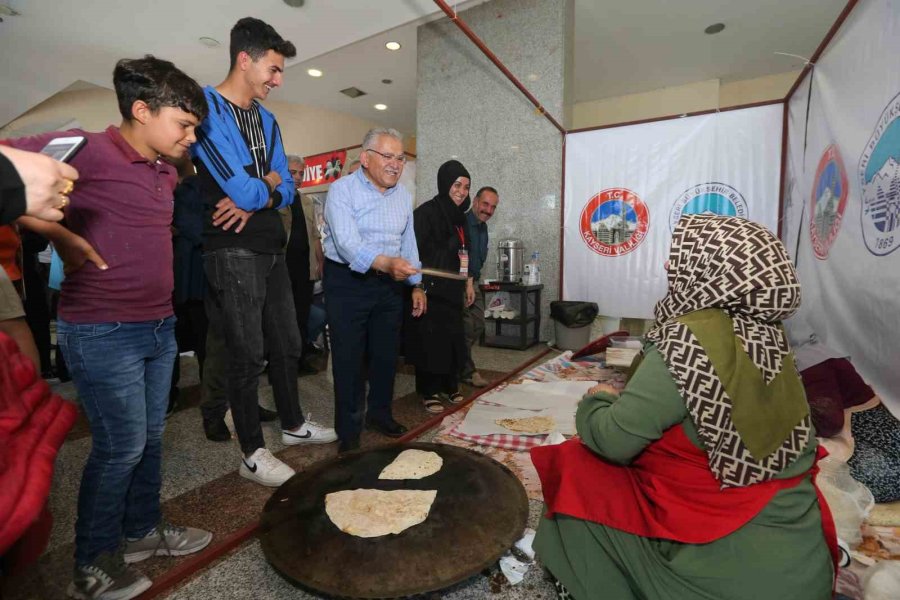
573	320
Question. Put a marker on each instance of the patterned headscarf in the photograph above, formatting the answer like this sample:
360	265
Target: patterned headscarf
739	267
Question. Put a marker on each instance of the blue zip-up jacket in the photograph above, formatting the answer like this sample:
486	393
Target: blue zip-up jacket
225	167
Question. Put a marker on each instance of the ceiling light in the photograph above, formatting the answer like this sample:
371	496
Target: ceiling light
393	45
381	107
314	72
714	28
210	42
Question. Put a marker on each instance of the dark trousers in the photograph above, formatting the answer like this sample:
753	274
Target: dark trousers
213	403
37	308
302	288
473	324
190	333
364	313
250	306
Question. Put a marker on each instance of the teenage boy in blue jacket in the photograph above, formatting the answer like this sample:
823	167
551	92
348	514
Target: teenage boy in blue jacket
244	176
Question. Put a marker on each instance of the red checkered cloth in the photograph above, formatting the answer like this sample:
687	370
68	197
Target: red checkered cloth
520	443
558	368
507	441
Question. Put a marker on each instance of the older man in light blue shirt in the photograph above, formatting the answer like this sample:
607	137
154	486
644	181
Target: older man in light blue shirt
370	250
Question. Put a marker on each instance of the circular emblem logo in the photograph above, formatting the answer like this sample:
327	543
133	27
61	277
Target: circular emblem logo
829	198
879	183
614	222
712	198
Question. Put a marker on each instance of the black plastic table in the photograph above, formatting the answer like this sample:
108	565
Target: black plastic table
514	333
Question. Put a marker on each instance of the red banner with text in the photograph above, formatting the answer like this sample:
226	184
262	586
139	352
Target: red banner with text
323	168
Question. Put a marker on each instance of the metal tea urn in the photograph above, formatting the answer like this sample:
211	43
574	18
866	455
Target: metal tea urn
510	260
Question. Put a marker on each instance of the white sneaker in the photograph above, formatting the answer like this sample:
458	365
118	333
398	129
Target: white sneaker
265	469
309	433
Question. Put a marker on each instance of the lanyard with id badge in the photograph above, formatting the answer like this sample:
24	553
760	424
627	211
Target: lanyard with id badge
463	252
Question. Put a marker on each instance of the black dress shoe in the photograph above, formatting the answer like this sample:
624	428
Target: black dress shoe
310	350
348	446
173	402
304	369
266	415
216	430
390	427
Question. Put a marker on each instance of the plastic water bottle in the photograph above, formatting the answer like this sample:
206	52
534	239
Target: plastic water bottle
534	272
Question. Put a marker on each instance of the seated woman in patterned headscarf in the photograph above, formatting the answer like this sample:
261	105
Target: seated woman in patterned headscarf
696	481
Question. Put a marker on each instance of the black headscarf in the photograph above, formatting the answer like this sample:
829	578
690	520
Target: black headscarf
449	172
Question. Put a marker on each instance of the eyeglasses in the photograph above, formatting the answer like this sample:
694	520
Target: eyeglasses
389	157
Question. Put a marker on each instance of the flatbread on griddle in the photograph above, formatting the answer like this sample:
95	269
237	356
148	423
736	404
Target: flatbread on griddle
413	464
373	513
528	425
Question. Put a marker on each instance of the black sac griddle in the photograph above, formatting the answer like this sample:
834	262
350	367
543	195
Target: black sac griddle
480	511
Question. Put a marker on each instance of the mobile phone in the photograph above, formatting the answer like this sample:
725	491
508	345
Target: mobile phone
65	148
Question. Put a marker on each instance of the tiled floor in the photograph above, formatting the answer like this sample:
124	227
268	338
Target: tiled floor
201	487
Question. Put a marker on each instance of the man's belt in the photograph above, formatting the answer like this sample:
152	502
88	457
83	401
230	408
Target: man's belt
367	274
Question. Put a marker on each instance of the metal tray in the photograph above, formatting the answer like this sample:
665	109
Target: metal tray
480	511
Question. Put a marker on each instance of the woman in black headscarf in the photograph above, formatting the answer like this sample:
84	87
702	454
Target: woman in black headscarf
435	343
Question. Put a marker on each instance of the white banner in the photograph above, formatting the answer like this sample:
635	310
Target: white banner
843	186
626	187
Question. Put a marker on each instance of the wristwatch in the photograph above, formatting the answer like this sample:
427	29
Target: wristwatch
420	286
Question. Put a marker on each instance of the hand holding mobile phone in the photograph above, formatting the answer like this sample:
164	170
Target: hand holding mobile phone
64	149
45	180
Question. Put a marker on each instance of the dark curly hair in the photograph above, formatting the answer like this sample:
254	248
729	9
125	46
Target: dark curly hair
159	83
257	37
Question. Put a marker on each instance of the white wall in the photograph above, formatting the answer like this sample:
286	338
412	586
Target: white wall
692	97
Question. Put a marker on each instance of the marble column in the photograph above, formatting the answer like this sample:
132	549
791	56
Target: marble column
468	110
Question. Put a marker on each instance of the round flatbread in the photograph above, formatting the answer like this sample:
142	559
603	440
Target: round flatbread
413	464
528	425
373	513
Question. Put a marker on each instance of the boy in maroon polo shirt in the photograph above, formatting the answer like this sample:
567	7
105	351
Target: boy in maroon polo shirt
116	325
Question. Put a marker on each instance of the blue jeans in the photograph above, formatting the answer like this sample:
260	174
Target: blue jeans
122	372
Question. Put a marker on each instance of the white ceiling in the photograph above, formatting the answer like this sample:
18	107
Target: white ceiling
621	46
52	44
363	65
629	46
